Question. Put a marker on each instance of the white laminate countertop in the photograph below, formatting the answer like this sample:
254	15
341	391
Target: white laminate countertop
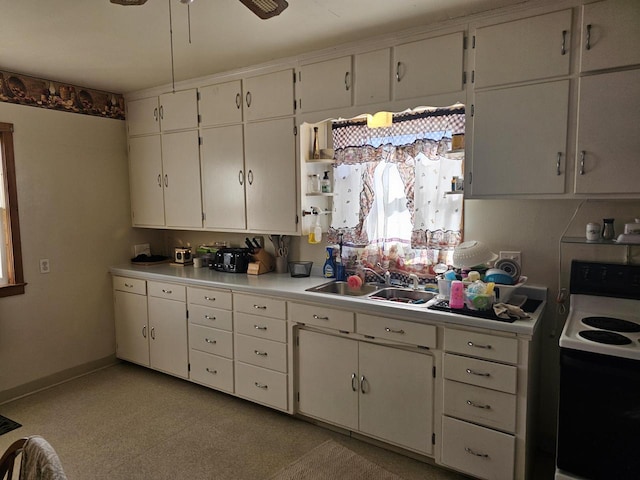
283	285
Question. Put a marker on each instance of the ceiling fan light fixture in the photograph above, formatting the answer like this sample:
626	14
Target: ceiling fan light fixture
129	2
266	8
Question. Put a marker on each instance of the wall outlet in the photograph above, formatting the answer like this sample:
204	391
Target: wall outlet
515	256
45	266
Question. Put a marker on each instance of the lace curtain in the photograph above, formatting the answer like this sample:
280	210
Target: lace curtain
390	186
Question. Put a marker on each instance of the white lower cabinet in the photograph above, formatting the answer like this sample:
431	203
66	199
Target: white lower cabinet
132	329
380	391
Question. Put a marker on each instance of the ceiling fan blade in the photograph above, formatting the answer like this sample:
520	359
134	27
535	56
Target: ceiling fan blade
129	2
266	8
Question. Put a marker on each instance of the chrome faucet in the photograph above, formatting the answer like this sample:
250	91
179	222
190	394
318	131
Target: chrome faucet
386	279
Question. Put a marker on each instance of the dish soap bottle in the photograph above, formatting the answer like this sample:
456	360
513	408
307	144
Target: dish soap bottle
328	271
325	183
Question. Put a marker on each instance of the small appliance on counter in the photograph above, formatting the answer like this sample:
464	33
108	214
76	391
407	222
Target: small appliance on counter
231	260
182	256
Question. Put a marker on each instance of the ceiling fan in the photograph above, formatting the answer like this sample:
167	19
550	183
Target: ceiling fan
262	8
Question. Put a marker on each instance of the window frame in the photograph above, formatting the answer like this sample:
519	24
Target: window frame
14	251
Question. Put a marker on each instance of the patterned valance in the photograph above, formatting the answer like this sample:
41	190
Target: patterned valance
37	92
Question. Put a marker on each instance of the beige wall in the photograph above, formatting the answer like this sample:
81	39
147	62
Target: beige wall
73	197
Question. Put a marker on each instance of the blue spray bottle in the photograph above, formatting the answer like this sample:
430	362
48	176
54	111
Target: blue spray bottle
329	270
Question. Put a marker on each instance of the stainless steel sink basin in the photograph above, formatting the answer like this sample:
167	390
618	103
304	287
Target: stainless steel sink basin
402	295
337	287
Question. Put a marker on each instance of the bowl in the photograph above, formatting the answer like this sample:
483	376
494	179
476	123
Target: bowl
479	301
472	253
300	269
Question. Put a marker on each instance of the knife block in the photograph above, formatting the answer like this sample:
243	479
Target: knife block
263	262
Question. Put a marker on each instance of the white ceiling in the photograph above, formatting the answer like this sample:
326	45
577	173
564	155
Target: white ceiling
96	44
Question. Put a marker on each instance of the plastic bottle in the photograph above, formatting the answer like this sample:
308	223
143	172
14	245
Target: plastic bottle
326	183
456	295
328	271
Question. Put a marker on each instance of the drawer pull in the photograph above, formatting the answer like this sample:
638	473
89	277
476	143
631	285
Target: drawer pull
478	405
260	307
259	327
128	285
212	372
169	292
354	382
479	345
480	374
259	353
391	330
318	317
261	385
471	452
208	340
211	299
209	318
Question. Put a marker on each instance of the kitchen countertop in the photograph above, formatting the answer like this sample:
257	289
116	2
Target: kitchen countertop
283	285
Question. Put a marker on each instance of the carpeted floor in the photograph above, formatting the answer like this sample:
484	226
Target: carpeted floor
129	422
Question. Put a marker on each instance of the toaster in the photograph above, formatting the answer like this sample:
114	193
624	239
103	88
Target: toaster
182	255
231	260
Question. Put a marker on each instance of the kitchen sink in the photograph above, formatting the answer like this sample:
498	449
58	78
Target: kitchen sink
338	287
402	295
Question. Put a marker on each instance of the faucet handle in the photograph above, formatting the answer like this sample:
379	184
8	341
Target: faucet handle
415	281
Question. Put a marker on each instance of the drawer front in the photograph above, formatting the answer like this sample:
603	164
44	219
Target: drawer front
211	340
167	290
261	327
479	451
480	372
322	316
481	345
209	298
262	385
211	370
131	285
399	330
262	353
480	405
259	305
211	317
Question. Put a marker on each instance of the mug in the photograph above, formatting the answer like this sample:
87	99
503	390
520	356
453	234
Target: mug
593	232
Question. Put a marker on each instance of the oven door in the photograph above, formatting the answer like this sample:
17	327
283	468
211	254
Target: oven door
599	416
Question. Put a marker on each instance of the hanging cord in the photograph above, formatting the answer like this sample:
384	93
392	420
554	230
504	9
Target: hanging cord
173	76
189	20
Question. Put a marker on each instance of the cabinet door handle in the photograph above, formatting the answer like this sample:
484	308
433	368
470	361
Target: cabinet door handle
582	155
247	99
347	81
479	374
161	112
260	354
398	65
363	380
558	163
588	46
166	180
144	331
260	307
209	317
153	333
318	317
212	372
478	405
479	345
155	114
241	177
250	177
471	452
261	385
563	50
212	342
238	101
354	382
259	327
160	180
391	330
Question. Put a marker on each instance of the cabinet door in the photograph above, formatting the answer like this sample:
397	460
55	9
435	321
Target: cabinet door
181	167
396	401
608	140
221	104
179	110
372	77
168	336
327	378
519	140
223	178
132	332
143	116
428	67
269	95
145	178
325	85
271	176
527	49
610	34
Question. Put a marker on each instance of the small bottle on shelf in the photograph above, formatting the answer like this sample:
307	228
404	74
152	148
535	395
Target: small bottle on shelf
326	183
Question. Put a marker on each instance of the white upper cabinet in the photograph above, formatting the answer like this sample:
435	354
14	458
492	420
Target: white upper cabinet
325	85
145	180
269	95
220	104
520	140
171	111
428	67
528	49
143	116
610	34
372	77
608	140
